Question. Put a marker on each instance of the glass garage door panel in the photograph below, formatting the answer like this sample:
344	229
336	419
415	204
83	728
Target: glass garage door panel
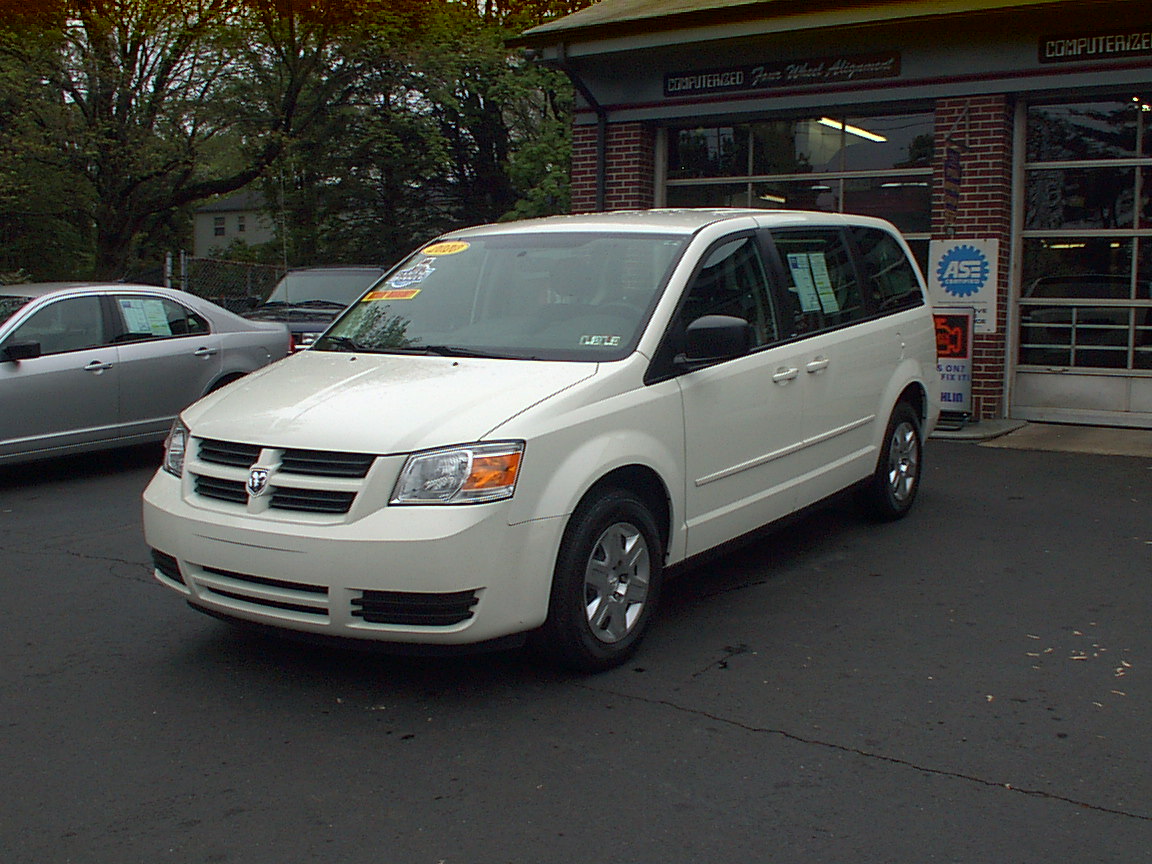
1084	311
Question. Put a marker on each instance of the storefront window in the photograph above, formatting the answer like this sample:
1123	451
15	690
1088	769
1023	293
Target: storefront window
1087	130
823	195
709	195
875	165
904	201
719	151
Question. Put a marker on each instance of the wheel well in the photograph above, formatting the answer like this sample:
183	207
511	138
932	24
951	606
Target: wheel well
915	396
646	483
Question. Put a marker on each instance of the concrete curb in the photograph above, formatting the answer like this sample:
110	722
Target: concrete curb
981	430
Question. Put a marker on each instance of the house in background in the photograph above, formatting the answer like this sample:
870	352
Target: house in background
239	216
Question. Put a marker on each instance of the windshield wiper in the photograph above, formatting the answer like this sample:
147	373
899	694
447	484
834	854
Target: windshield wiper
338	343
451	351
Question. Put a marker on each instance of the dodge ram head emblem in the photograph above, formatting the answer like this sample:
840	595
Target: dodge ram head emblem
257	481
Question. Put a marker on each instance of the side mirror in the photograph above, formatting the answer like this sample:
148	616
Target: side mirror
20	351
713	338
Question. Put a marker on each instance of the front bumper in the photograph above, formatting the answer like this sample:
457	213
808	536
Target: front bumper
435	575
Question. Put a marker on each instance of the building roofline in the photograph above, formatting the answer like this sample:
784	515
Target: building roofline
701	20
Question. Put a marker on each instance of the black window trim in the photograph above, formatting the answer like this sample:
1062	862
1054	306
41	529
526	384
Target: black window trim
662	367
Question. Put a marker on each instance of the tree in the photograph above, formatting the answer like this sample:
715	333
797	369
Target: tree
371	123
156	104
449	129
41	211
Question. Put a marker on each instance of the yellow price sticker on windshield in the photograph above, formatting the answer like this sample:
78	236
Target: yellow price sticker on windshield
393	294
446	248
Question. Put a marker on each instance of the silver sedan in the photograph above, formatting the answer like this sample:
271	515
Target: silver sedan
88	366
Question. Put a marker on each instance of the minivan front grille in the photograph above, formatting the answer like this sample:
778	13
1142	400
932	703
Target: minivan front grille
311	500
228	453
408	608
280	594
318	463
224	483
219	489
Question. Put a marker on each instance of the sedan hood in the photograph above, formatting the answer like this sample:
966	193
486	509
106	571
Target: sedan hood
366	403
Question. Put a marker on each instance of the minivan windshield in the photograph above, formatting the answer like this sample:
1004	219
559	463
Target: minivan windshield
546	296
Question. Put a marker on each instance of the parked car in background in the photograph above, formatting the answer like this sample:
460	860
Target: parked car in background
523	424
88	366
309	298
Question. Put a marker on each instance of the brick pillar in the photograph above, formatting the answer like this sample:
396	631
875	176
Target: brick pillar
583	176
979	131
631	167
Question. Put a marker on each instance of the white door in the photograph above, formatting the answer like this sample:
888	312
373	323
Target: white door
743	418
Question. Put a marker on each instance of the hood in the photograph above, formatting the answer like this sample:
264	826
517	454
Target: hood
365	403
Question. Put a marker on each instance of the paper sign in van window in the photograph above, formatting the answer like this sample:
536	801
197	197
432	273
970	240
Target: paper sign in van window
446	248
802	279
145	315
393	294
812	281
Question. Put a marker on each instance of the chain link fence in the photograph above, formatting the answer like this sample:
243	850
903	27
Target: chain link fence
236	285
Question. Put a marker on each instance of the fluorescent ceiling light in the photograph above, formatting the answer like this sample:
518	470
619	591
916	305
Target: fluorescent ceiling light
774	199
852	130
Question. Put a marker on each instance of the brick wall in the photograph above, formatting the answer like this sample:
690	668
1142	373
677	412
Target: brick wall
979	131
631	155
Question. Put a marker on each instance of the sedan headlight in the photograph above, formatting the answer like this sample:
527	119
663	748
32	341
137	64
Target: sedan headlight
174	447
468	474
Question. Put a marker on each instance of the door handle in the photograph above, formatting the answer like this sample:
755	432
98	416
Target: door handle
817	365
783	376
205	352
97	366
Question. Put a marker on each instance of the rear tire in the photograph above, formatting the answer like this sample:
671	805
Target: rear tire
891	490
606	584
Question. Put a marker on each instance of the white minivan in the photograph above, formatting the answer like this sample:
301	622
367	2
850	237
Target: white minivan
520	427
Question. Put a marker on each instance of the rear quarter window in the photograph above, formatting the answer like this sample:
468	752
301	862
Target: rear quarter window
889	277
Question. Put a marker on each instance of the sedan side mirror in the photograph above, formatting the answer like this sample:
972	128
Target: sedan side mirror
714	338
20	351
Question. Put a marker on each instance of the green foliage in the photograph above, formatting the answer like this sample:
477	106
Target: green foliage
370	125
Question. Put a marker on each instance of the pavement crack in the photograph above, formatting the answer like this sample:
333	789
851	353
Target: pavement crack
878	757
84	556
730	651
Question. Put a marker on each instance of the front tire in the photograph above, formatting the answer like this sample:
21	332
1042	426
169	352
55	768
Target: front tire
890	492
606	584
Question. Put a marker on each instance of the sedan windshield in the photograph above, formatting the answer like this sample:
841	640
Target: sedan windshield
548	296
337	287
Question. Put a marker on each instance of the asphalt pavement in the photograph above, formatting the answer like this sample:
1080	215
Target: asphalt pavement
970	684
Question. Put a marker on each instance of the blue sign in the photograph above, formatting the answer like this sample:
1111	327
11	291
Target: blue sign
963	271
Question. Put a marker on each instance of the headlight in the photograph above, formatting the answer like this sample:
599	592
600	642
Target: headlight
174	446
468	474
